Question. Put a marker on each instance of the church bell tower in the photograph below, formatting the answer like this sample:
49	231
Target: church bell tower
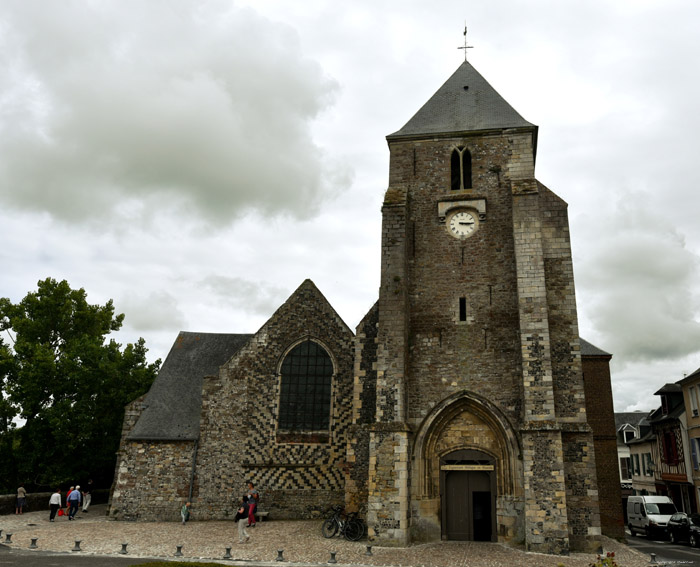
480	429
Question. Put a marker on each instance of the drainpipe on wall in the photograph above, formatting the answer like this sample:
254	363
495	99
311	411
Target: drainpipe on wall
194	467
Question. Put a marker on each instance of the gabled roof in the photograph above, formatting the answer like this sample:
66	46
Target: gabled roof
690	377
465	103
587	349
669	389
633	418
173	403
658	416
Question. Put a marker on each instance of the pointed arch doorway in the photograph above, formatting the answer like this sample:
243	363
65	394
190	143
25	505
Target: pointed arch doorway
468	496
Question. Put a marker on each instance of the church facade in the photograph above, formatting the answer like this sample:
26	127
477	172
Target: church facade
463	407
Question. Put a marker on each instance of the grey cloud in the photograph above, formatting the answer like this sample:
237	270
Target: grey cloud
639	282
248	296
153	312
208	112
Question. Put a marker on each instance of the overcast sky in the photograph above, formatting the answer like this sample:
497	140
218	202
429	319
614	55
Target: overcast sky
196	161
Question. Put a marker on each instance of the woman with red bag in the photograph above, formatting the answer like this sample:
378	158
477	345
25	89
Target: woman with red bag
55	504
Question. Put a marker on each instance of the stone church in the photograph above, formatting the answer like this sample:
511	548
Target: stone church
464	406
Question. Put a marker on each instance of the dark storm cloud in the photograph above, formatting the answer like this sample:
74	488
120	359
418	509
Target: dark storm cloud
209	111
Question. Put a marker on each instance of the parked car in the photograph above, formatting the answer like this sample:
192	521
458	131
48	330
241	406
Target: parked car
684	527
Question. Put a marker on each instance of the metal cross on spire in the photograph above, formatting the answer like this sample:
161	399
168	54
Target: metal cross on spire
465	46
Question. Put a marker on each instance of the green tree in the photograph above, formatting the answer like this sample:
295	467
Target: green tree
68	385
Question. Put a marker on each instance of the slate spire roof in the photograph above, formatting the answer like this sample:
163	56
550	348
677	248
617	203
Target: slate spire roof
465	103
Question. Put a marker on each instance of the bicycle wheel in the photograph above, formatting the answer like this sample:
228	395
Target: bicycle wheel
329	528
354	530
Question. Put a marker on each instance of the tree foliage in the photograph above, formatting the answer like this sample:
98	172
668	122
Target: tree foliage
68	386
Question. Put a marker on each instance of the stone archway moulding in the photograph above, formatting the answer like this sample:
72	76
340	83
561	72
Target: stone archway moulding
509	449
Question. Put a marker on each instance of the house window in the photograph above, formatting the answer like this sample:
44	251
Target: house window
629	435
664	405
694	399
461	166
305	388
625	468
694	452
670	448
636	464
646	462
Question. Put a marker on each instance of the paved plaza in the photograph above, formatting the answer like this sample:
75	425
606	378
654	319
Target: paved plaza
301	542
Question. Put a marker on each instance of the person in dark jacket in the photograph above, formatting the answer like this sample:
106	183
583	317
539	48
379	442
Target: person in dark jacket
242	519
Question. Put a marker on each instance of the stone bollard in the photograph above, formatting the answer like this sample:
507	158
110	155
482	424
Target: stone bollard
77	546
369	551
227	555
332	559
279	555
124	551
178	553
33	545
8	537
653	558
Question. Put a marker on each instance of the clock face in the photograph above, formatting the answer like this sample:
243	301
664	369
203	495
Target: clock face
462	224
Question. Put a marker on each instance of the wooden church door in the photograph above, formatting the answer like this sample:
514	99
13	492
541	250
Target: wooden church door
468	496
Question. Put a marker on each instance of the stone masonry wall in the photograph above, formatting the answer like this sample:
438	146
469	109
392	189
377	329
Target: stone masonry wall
388	484
132	412
364	405
482	353
546	519
569	391
153	481
298	475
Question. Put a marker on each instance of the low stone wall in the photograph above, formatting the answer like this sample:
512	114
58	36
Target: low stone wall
40	501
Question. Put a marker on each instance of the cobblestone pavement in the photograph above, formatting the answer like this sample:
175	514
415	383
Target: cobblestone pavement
301	542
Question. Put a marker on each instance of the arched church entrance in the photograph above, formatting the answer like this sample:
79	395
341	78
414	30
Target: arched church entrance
468	471
468	494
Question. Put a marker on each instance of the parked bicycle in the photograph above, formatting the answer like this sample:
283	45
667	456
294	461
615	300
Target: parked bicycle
347	525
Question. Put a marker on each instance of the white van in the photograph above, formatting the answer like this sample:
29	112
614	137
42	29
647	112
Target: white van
649	514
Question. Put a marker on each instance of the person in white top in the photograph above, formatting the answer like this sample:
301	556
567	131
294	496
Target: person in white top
54	504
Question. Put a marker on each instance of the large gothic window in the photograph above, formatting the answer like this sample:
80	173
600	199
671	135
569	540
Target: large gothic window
305	388
461	166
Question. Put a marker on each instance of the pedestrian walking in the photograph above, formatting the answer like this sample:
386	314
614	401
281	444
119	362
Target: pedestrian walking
242	519
253	497
87	495
21	499
54	504
73	501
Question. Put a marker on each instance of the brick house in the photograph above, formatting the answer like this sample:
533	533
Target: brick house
463	407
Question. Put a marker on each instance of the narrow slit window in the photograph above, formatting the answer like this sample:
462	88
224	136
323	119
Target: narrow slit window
462	308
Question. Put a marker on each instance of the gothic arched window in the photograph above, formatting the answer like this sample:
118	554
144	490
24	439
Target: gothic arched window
305	388
461	165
